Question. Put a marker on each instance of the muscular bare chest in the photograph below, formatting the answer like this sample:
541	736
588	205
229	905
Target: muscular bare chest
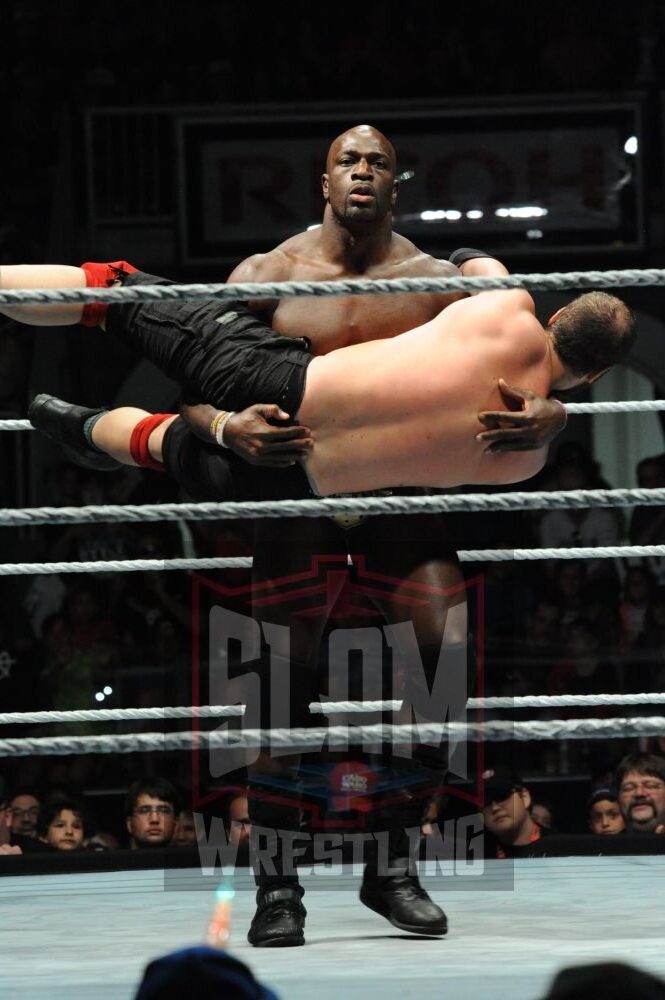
332	323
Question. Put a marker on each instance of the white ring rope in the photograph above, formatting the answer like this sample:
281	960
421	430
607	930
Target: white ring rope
122	714
578	552
618	406
324	708
499	730
328	506
127	565
245	562
625	406
554	281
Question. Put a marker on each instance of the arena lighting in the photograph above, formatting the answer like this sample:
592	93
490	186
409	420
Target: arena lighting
521	212
108	689
474	213
99	696
534	234
631	145
441	214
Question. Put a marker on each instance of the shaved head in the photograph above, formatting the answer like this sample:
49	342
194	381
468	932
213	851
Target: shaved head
359	183
362	134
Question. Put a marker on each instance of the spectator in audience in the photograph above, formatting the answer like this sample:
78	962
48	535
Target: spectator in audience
239	825
656	744
640	778
574	591
167	649
43	600
13	843
158	595
202	972
102	840
151	810
87	620
605	981
647	666
24	806
184	834
6	846
638	592
603	812
19	665
583	670
529	650
586	526
647	524
571	454
507	817
98	541
61	825
602	778
542	813
541	637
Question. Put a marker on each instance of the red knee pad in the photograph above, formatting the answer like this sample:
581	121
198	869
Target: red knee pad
102	276
138	443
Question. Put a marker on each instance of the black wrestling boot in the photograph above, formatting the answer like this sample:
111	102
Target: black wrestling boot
63	423
279	921
401	899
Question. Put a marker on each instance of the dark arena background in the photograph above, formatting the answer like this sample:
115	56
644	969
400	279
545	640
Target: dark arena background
184	139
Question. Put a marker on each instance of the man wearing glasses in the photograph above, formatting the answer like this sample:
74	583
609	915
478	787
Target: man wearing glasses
640	778
151	811
24	807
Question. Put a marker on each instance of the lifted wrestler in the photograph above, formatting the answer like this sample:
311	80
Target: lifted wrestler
380	414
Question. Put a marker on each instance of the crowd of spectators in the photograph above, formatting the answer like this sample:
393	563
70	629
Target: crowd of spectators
633	804
153	815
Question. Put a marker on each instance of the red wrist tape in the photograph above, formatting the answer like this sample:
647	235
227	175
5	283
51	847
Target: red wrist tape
138	442
102	276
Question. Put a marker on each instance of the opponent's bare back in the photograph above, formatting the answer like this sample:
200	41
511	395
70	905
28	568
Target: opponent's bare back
406	413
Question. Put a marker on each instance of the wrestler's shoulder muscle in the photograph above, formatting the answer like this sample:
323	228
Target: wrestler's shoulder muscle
408	261
414	262
271	266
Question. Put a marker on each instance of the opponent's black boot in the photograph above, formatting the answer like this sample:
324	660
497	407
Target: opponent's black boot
279	921
401	899
63	423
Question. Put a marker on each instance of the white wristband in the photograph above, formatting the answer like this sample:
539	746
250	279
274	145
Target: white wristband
219	430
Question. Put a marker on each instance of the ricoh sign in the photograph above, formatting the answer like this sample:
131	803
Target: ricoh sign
541	178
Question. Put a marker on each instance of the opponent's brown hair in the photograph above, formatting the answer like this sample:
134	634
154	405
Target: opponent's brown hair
594	332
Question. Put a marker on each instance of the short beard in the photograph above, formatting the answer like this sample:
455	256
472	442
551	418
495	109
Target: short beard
358	224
